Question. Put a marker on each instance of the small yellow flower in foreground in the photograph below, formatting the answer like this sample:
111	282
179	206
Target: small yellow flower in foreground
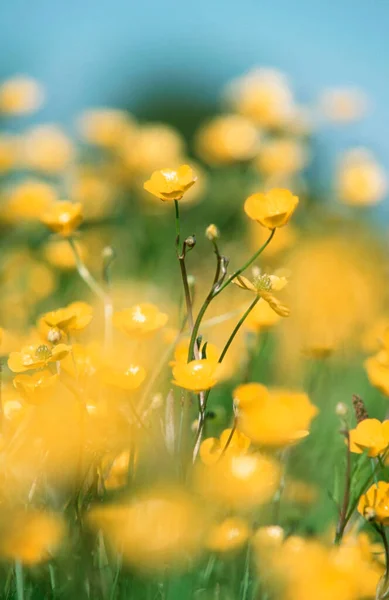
74	317
271	209
212	449
229	535
374	504
36	357
20	95
140	320
370	435
170	184
63	217
36	388
273	417
197	375
46	148
227	139
31	537
126	378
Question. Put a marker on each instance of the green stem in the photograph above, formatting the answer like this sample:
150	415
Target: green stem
19	579
237	327
342	522
177	215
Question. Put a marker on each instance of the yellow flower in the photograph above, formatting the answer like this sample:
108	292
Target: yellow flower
261	317
377	369
36	388
228	535
182	348
59	254
281	157
152	147
361	180
9	152
263	285
374	504
197	375
105	127
95	192
63	217
20	95
140	320
241	481
126	378
273	417
74	317
46	148
117	472
81	363
36	357
370	435
212	232
227	139
212	449
271	209
29	199
158	529
170	184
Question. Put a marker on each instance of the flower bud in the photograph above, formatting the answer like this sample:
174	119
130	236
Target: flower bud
190	241
54	335
212	232
341	409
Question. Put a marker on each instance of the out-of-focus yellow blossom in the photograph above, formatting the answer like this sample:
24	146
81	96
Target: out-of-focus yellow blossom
227	139
14	408
9	152
271	209
157	530
30	536
74	317
261	317
126	378
281	157
28	200
361	179
264	96
170	184
239	482
105	127
46	148
283	240
36	357
377	369
20	95
117	475
229	535
59	254
81	363
273	417
374	333
212	449
370	435
63	217
36	388
264	285
224	369
95	193
374	504
9	341
140	320
197	375
154	147
212	232
343	105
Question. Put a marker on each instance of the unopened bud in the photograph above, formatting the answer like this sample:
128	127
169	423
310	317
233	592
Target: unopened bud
190	241
341	409
191	280
212	232
54	335
108	253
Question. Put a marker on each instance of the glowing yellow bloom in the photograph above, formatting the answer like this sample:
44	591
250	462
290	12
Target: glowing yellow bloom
377	369
36	388
370	435
261	317
239	481
374	504
170	184
36	357
229	535
9	152
117	472
20	95
271	209
63	217
140	320
212	449
281	157
197	375
105	127
81	363
158	529
182	348
59	254
227	139
154	147
263	285
29	199
273	417
74	317
30	537
361	180
126	378
46	148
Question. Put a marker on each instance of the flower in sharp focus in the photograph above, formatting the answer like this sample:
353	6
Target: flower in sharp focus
170	184
229	535
36	357
370	435
36	388
197	375
264	285
140	320
63	217
374	504
212	449
20	95
271	209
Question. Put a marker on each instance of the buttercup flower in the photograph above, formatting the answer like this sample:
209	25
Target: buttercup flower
29	199
361	180
281	157
374	504
140	320
197	375
105	127
46	148
20	95
170	184
126	378
262	316
36	357
74	317
273	417
36	388
63	217
153	147
212	449
263	285
59	254
271	209
370	435
377	369
117	475
227	139
229	535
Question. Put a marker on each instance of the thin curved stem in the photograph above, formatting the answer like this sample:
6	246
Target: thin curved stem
237	327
